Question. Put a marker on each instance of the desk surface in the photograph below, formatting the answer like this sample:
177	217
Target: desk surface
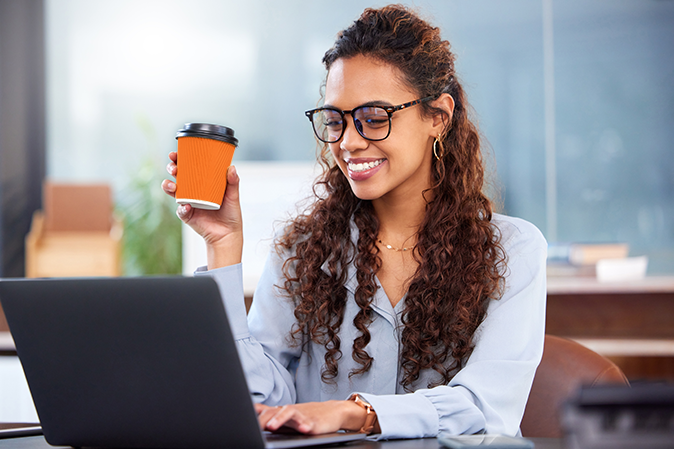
39	442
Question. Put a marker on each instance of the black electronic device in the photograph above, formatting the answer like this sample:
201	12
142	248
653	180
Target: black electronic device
620	417
143	363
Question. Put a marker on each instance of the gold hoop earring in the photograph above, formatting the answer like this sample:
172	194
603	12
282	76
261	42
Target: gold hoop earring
435	148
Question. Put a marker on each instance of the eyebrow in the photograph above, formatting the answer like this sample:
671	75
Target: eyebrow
369	103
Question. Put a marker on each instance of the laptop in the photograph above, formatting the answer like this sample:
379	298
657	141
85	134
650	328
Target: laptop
144	362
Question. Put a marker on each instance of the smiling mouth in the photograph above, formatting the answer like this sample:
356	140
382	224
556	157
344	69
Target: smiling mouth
358	168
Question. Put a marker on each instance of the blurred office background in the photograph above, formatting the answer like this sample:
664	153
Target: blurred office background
575	99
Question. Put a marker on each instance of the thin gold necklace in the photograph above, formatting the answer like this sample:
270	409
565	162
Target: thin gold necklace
394	248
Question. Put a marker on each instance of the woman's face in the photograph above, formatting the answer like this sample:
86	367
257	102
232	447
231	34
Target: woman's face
400	165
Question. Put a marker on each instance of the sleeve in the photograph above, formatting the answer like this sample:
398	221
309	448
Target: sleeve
266	354
490	393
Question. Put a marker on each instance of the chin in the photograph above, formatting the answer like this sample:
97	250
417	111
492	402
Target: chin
365	194
364	190
366	197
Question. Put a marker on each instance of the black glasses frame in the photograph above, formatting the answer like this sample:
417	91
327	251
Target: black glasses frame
389	111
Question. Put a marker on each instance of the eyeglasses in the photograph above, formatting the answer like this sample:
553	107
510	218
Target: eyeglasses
372	122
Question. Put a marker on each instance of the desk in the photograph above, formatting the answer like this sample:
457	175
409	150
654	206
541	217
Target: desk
426	443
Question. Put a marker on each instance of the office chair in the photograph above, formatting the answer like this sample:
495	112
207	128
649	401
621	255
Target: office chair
565	367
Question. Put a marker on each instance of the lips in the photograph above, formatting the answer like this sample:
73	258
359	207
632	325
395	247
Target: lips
362	169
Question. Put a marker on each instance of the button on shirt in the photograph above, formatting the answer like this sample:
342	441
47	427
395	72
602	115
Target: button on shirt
488	395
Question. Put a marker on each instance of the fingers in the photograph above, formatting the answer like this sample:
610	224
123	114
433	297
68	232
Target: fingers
169	187
273	418
172	168
185	212
232	175
264	414
230	212
259	408
232	191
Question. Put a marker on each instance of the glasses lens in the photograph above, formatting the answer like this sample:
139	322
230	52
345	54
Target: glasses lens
328	125
372	122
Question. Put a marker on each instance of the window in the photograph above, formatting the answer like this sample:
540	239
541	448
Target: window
124	76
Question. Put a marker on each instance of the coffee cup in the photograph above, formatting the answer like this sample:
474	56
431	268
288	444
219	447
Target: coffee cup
205	153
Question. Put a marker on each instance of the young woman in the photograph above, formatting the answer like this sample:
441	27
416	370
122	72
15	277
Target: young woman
399	304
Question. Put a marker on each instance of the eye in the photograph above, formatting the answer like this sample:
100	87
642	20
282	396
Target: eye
372	117
331	119
375	122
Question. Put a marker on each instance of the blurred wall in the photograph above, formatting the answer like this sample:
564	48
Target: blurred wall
123	76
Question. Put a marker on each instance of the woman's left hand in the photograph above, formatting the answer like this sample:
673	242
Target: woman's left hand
312	417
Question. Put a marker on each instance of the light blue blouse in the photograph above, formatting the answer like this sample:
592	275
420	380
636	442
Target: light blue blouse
488	395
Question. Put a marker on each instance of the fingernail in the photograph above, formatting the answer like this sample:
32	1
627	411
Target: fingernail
171	185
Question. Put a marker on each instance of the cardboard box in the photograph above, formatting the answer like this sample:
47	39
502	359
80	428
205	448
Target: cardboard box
76	235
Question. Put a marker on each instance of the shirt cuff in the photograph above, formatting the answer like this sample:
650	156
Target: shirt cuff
230	284
404	416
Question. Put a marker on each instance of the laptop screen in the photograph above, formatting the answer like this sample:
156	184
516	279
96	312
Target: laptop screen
131	362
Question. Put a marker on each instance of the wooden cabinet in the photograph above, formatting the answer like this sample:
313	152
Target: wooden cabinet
630	323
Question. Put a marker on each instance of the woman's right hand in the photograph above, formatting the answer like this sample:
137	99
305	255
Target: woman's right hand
222	229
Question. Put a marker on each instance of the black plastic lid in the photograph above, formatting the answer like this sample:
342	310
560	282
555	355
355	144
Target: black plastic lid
208	131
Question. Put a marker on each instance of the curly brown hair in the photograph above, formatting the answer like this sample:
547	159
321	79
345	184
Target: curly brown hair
458	251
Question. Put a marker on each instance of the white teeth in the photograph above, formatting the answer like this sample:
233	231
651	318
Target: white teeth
364	166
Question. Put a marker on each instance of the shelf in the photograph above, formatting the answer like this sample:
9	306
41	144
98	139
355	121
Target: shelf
621	347
575	285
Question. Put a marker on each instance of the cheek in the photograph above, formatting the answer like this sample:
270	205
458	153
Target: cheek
411	150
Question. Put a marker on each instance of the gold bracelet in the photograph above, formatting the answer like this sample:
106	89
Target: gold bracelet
370	414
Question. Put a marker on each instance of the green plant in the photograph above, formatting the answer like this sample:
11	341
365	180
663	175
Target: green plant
152	241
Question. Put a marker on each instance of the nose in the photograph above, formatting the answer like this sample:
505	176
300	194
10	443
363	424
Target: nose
352	140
